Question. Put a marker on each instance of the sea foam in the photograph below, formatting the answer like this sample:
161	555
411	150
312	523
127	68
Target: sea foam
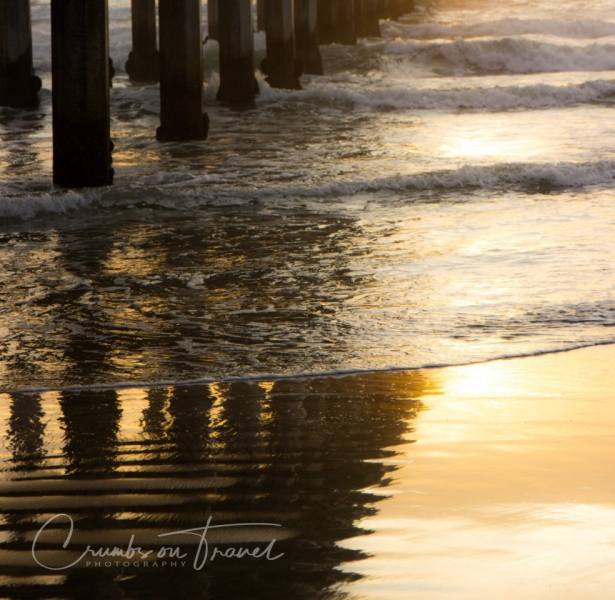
497	98
525	178
506	55
577	29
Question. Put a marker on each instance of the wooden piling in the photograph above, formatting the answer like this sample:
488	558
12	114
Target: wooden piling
181	72
325	22
143	62
366	19
407	6
281	65
237	82
260	15
306	34
18	85
393	9
343	22
213	19
80	93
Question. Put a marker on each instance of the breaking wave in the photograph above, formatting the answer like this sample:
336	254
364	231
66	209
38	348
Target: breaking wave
507	55
496	98
202	191
578	29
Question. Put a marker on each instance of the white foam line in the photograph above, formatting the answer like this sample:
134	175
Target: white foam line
522	176
505	55
307	375
493	99
577	29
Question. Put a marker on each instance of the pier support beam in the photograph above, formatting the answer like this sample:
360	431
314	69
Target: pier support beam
306	32
281	65
18	85
237	82
80	93
325	22
213	19
261	19
181	72
343	22
391	10
143	62
366	18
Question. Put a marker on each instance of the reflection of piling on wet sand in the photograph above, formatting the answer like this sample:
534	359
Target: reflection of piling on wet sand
81	67
292	458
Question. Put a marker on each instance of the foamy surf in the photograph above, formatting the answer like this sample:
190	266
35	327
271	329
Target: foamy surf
171	193
577	29
384	215
506	55
272	377
497	98
28	206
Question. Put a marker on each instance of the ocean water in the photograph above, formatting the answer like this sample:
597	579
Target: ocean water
442	195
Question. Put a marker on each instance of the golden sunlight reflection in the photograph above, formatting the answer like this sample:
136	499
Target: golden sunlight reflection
489	379
509	486
470	478
133	402
473	147
490	138
130	254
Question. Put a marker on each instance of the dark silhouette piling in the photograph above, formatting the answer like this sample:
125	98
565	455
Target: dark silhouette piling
281	66
213	19
306	36
143	62
325	22
181	72
343	22
366	18
18	85
80	93
399	8
261	19
391	9
237	82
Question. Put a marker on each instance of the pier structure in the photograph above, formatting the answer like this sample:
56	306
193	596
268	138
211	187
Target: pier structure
182	117
367	23
237	81
80	93
260	15
213	19
143	64
81	68
306	36
342	13
390	9
324	22
19	86
281	65
408	6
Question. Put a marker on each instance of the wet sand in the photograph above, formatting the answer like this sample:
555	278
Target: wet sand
508	491
485	481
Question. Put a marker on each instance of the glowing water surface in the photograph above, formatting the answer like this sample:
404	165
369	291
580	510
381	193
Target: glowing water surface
507	491
442	195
